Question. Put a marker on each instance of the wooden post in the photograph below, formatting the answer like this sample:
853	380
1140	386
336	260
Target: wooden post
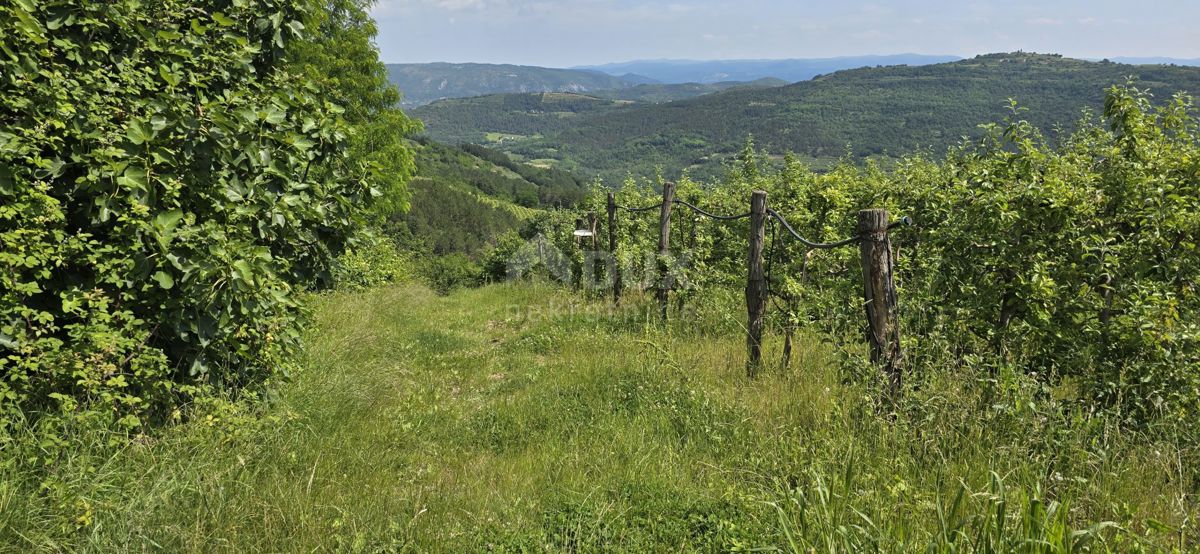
756	283
592	228
577	281
879	296
664	245
589	257
612	247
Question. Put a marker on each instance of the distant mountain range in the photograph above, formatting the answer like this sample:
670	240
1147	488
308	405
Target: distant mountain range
793	70
868	112
426	82
423	83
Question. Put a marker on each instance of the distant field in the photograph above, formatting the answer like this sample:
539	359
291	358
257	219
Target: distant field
501	137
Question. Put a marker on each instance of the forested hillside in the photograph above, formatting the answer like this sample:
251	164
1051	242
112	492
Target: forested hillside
464	197
522	116
659	93
881	112
501	118
426	82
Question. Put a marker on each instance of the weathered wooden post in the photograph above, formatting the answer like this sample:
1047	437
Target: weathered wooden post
756	284
577	235
592	228
664	246
612	247
879	295
589	256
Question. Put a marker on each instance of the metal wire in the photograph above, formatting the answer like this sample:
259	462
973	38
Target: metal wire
809	243
646	209
694	208
904	221
712	215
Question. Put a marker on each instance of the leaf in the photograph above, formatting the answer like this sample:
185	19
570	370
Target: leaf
166	221
275	116
222	20
171	78
138	133
164	279
134	178
243	271
6	180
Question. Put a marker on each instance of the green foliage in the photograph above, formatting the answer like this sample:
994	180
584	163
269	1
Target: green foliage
373	260
450	272
1075	263
460	202
339	58
165	188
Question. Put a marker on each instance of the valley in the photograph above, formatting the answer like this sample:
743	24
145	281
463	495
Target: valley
883	112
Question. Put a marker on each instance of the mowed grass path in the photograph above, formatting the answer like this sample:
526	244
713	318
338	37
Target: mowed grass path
521	418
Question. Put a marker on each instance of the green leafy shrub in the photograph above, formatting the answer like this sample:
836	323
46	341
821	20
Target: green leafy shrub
165	187
373	261
450	272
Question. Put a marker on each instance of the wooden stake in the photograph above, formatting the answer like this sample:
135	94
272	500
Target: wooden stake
664	246
756	283
592	228
612	247
879	296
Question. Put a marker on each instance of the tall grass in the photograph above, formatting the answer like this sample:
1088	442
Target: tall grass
519	418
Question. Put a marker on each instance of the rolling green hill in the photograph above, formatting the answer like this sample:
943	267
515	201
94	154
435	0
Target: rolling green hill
659	93
464	197
426	82
866	112
500	118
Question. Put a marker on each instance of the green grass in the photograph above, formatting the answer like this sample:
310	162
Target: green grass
523	418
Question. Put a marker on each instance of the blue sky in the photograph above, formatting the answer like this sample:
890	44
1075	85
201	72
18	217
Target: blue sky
577	32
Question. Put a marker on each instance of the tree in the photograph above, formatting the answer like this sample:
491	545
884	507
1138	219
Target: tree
166	186
339	56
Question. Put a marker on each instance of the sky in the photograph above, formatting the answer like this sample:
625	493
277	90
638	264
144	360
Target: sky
567	33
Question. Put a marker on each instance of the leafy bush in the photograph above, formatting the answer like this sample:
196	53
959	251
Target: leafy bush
373	261
165	186
450	272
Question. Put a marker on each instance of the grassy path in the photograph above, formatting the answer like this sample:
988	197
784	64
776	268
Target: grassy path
509	418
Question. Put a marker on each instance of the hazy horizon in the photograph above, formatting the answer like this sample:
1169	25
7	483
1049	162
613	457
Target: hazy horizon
1122	59
570	33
